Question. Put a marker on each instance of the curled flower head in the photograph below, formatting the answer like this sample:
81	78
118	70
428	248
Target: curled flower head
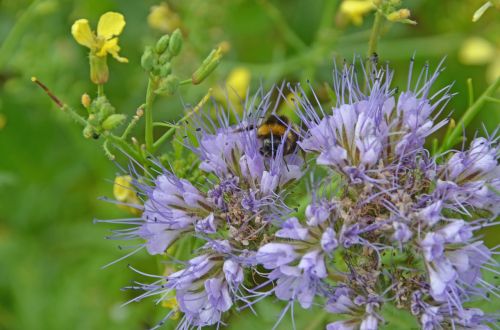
105	41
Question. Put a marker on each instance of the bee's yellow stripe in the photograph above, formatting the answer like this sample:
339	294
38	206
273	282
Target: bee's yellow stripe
274	129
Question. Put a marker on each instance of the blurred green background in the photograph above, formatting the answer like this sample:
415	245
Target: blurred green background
51	177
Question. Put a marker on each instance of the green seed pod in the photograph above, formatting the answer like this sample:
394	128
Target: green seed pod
164	58
113	121
165	70
147	59
175	44
99	72
162	44
207	66
168	86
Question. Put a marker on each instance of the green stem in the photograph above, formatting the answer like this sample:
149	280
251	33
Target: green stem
171	131
123	145
451	139
290	36
328	12
130	126
64	107
492	99
375	35
185	82
74	115
100	90
148	113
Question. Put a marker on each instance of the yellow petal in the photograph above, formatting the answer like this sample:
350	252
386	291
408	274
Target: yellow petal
122	189
110	24
82	33
124	192
356	8
118	57
237	82
111	47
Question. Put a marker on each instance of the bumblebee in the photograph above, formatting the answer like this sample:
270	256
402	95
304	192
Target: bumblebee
271	133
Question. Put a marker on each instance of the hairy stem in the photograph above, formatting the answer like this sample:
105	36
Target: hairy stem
100	90
375	35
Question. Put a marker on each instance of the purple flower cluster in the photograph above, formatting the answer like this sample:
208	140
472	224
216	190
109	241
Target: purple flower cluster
232	213
387	224
395	199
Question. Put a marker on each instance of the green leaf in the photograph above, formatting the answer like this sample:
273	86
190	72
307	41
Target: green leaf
397	319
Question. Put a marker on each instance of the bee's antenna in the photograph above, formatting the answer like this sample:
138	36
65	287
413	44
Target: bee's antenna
49	93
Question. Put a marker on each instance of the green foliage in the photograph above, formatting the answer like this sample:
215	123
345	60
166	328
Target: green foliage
50	178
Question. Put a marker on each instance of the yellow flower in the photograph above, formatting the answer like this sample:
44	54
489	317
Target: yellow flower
236	87
124	192
238	82
476	51
105	42
171	303
479	51
354	10
163	19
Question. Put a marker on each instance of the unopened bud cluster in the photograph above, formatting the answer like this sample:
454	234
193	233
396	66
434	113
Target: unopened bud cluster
101	116
392	11
157	61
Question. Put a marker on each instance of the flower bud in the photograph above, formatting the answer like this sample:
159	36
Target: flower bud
86	100
99	72
401	15
168	86
175	43
225	47
478	13
113	121
165	70
162	44
147	59
103	109
164	58
207	66
398	15
90	132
